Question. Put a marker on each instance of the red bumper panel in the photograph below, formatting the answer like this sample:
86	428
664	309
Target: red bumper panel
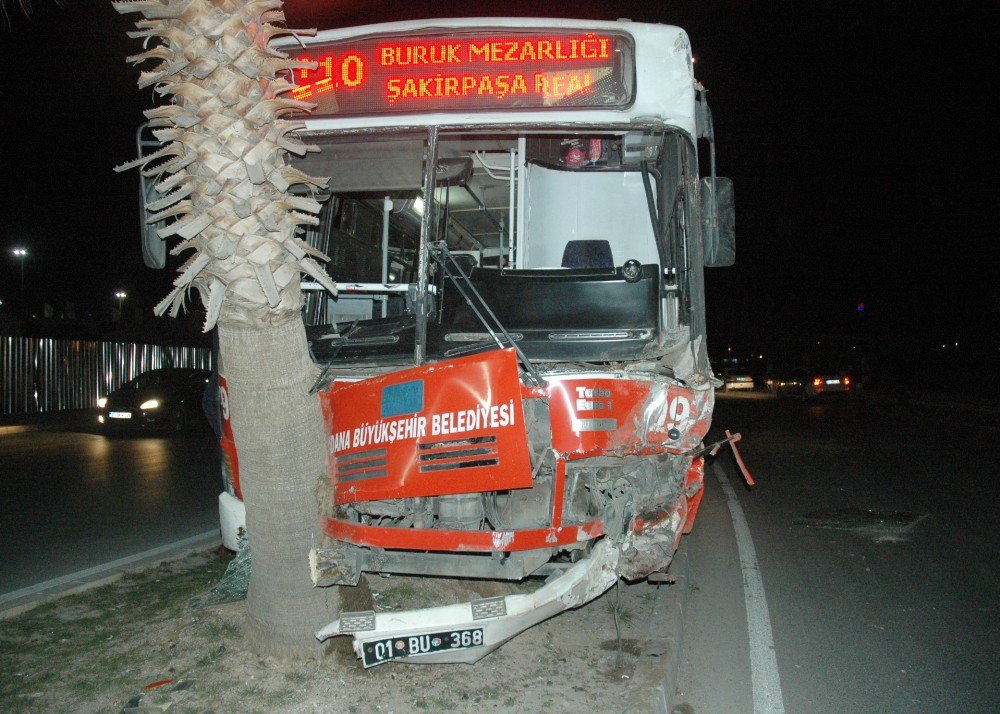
442	428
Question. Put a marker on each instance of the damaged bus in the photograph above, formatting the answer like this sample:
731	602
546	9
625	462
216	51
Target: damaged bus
514	374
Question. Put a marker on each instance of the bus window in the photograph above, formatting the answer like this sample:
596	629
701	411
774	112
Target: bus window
564	206
540	224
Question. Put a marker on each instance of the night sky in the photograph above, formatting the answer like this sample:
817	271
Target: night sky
860	144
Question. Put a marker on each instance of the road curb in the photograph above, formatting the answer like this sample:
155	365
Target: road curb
18	601
18	428
67	420
655	677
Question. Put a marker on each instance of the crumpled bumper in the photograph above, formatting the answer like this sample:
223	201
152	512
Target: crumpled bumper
381	637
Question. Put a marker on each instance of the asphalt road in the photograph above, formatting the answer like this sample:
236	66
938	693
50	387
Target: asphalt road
852	613
72	498
863	616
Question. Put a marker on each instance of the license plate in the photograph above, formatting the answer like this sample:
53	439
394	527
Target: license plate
119	415
380	651
833	381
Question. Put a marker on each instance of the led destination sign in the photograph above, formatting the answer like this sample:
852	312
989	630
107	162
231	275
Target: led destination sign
464	70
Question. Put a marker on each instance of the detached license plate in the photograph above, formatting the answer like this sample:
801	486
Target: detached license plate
381	651
833	381
119	415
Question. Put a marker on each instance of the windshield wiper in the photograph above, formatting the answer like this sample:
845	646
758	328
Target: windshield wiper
442	256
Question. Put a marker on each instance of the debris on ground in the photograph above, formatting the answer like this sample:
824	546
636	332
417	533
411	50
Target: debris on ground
235	581
883	525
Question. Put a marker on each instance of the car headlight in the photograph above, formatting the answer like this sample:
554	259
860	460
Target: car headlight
150	404
102	402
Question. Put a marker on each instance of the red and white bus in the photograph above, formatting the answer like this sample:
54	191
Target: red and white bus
514	376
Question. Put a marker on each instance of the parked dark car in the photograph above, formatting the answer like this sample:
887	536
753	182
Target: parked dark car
161	399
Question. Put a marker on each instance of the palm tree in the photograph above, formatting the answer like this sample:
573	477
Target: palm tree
227	186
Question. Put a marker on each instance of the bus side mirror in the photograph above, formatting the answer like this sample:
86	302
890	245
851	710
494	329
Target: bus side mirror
718	222
154	248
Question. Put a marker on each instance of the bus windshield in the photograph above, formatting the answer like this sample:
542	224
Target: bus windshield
574	239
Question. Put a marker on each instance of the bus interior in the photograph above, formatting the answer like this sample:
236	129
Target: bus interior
575	241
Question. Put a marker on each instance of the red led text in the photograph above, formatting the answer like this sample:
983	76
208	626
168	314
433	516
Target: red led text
551	86
467	69
332	73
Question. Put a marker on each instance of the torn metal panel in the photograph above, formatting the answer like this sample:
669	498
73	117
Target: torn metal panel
596	449
651	540
626	413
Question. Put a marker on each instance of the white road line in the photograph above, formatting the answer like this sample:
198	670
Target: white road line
106	568
764	675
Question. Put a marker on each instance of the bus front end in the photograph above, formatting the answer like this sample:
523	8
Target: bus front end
514	375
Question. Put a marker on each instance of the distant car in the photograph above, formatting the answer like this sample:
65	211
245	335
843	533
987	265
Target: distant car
161	399
737	379
810	384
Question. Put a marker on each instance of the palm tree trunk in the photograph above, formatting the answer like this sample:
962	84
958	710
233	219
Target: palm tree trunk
279	429
225	182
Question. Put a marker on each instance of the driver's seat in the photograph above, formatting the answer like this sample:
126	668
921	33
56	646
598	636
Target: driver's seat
588	254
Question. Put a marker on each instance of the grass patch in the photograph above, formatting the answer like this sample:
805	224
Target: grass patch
489	694
95	644
97	651
252	691
402	596
211	657
216	630
298	677
276	698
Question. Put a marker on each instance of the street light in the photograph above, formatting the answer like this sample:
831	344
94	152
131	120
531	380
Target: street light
121	295
21	254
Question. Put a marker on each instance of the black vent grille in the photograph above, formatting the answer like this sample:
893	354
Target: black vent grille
451	454
361	465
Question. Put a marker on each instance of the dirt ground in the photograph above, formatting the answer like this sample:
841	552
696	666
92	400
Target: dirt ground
105	649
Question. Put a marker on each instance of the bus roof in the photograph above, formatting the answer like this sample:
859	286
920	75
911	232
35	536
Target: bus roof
664	88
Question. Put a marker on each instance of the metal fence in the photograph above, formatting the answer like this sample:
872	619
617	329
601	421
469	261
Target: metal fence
45	375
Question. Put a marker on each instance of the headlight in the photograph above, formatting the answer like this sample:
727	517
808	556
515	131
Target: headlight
102	402
150	404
